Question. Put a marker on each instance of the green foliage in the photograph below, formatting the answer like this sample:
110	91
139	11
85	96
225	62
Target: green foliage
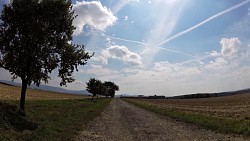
35	38
111	87
56	119
217	124
94	86
107	88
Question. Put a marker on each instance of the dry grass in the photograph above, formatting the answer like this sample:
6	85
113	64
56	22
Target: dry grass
14	92
230	107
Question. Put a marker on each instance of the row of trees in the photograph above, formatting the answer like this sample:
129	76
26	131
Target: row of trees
97	87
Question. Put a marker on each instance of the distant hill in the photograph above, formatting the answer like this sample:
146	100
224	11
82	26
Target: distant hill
207	95
188	96
48	88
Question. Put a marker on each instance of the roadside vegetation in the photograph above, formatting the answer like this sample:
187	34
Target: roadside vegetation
48	119
224	125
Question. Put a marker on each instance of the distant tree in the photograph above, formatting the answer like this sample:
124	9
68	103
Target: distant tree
111	87
35	38
94	87
102	90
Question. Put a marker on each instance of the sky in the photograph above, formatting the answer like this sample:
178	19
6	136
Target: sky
162	47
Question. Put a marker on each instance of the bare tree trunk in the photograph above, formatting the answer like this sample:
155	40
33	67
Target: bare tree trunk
23	94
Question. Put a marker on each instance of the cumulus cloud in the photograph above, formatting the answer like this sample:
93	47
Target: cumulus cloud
218	64
214	53
229	46
122	53
175	70
94	14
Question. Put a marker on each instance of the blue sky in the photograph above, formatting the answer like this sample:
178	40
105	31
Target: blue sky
163	47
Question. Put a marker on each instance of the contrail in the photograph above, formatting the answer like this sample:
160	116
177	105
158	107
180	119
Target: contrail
142	43
177	52
132	41
203	22
196	59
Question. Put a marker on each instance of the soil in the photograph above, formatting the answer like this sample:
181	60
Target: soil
122	121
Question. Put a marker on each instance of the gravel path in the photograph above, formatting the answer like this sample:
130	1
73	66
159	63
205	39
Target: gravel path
122	121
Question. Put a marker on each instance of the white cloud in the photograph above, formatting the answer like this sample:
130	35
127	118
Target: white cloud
126	18
218	64
94	14
101	72
98	70
214	53
229	46
122	53
175	70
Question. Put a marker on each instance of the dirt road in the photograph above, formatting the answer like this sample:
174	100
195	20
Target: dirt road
122	121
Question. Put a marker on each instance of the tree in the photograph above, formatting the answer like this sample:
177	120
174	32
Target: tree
111	87
35	38
94	87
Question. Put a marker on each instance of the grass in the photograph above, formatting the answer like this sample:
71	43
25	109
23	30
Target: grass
48	119
221	125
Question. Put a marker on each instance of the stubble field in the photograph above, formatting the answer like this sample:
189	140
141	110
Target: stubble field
13	93
233	107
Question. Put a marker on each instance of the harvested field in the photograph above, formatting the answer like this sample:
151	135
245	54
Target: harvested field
13	93
231	107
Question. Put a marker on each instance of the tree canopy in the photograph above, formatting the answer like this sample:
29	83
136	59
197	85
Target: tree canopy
96	87
111	87
35	39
